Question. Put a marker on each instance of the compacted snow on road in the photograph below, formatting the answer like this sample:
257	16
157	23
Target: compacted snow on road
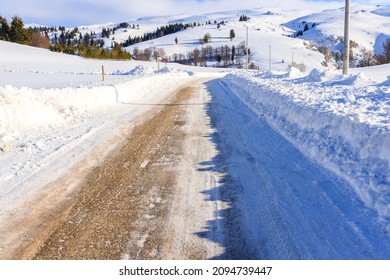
290	206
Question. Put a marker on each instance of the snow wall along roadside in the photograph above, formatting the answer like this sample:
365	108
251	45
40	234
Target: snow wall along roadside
358	152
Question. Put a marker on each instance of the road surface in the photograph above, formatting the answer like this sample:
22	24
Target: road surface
201	177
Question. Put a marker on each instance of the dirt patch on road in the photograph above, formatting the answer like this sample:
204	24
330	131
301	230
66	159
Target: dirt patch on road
120	211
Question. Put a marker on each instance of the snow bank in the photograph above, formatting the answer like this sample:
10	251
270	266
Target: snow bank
139	70
27	108
342	123
46	132
32	108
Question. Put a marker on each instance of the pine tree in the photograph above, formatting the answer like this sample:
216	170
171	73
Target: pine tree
232	34
17	32
233	52
4	29
206	38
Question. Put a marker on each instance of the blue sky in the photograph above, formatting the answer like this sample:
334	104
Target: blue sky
84	12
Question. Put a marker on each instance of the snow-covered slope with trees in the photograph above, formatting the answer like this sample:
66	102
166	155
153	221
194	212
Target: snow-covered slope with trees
313	39
275	29
370	28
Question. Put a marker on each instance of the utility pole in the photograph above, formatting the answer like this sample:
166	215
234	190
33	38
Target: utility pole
346	39
158	59
247	48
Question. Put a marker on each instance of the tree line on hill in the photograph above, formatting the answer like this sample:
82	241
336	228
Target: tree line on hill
15	32
70	42
223	56
160	32
90	45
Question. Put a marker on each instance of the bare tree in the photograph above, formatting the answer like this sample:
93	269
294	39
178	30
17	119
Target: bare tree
148	53
158	53
368	59
135	52
39	40
175	57
196	57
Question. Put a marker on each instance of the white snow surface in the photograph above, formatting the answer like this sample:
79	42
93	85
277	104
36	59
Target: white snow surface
342	123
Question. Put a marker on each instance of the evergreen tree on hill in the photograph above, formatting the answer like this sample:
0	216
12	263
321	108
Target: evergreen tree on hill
17	32
232	34
4	29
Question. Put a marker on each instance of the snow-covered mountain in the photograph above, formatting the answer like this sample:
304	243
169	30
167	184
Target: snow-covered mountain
370	27
277	29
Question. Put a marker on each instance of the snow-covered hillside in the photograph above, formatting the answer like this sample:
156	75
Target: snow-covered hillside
370	27
265	30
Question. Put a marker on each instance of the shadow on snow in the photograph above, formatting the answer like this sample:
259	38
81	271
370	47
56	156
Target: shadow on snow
280	204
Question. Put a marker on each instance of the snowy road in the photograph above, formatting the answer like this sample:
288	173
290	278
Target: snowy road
288	207
199	177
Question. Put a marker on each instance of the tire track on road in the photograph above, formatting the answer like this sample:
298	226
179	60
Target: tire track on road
121	208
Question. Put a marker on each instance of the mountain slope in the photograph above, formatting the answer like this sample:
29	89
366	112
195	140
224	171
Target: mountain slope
370	27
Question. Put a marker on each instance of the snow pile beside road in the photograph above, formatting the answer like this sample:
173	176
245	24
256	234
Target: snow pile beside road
342	123
45	132
27	108
31	108
139	70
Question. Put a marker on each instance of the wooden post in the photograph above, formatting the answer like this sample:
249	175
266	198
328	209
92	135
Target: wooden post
102	72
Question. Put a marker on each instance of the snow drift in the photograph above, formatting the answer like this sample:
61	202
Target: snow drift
342	123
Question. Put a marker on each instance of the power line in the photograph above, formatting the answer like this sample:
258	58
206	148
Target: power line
278	4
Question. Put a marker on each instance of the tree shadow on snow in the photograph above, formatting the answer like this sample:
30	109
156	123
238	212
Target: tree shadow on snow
272	202
225	229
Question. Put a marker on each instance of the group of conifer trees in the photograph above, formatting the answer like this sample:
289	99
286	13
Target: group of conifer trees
160	32
66	43
15	32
